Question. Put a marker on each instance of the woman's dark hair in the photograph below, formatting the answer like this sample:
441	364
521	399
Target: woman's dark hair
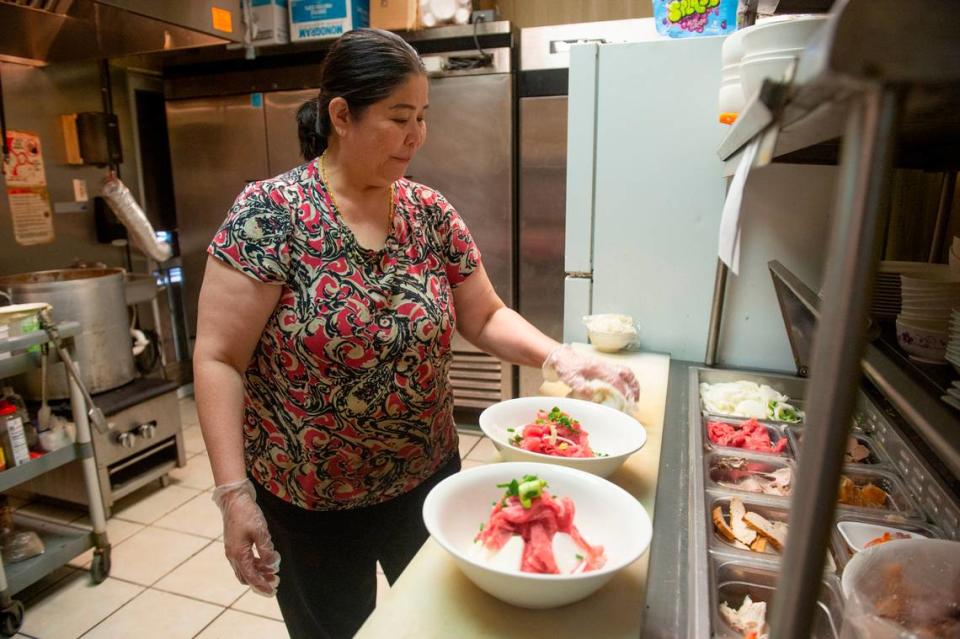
362	67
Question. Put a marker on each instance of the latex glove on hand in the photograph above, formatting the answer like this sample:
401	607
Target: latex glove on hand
592	379
244	527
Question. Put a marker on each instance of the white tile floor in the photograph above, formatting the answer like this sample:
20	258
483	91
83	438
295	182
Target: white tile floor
169	577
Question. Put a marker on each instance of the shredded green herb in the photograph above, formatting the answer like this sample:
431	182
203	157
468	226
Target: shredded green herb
526	489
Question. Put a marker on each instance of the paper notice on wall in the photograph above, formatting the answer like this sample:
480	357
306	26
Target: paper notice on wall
32	215
729	244
24	164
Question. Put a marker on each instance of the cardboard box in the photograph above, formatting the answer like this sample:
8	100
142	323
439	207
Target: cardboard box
395	15
322	19
272	21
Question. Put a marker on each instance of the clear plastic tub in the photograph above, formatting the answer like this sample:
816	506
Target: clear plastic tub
907	589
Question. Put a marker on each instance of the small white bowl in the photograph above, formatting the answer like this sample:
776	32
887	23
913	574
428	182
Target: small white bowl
610	342
606	515
767	55
858	534
731	51
730	99
788	33
924	345
753	73
611	432
954	262
925	323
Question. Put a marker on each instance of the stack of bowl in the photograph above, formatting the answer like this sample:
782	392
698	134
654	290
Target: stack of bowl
771	46
924	320
953	342
731	101
887	296
955	255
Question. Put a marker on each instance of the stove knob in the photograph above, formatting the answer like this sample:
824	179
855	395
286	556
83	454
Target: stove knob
127	440
147	430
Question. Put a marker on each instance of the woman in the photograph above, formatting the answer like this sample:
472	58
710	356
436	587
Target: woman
323	347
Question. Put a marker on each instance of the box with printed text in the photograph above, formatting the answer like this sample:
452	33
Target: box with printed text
320	19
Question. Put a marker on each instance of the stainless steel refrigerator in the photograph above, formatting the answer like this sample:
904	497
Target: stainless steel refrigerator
218	144
468	156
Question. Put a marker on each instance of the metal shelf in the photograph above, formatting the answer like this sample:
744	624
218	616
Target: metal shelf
61	544
863	43
12	477
24	362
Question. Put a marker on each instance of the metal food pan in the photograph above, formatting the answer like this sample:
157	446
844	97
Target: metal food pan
770	512
733	580
722	471
792	387
843	553
775	431
878	455
900	504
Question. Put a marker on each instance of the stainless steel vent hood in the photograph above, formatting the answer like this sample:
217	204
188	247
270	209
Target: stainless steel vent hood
45	31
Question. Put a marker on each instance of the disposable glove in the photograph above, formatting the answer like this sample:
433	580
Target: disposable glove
592	379
245	528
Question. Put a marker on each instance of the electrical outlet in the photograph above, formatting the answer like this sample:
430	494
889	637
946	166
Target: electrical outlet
487	15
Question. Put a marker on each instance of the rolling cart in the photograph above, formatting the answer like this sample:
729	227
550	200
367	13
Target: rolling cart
62	543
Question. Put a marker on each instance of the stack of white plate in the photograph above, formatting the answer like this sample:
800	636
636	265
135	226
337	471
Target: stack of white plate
731	100
929	299
953	343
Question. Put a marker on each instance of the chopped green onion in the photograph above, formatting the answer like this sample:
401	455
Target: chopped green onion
579	557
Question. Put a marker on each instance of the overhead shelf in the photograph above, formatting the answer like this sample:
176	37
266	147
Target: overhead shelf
803	120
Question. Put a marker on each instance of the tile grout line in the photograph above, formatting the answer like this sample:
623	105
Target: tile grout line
127	603
212	621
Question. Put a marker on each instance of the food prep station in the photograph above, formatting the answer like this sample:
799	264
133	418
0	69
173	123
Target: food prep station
721	572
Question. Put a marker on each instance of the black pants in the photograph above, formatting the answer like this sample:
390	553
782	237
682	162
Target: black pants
328	577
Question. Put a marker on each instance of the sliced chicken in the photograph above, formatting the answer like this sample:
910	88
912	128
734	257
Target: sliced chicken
776	535
740	530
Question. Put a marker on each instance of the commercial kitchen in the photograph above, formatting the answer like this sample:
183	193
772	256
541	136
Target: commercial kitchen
749	209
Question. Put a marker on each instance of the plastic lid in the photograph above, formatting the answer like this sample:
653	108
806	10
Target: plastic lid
6	408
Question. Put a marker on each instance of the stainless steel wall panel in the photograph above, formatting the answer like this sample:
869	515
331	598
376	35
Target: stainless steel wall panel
468	157
541	216
283	143
217	145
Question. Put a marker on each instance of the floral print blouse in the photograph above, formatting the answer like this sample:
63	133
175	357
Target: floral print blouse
347	397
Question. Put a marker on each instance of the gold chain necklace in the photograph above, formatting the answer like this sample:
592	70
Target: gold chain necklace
333	198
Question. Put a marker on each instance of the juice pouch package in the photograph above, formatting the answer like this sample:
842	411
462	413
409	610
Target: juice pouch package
688	18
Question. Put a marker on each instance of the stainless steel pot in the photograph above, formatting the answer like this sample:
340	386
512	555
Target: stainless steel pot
95	298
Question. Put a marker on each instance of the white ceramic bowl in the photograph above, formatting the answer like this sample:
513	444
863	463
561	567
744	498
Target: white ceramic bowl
775	35
766	55
753	73
611	432
730	99
954	262
925	323
606	515
858	534
732	50
610	342
922	344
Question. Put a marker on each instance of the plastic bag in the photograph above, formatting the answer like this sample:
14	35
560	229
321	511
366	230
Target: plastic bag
904	589
690	18
133	217
20	546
